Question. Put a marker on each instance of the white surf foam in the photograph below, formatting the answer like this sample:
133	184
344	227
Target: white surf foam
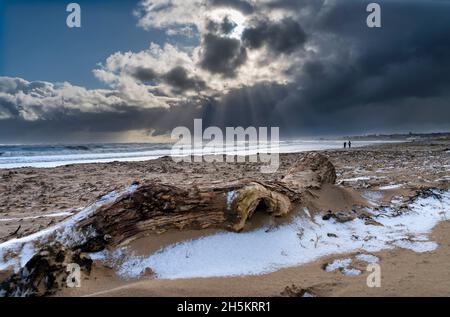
53	156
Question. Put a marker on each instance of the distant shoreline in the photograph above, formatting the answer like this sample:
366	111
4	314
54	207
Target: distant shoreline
54	156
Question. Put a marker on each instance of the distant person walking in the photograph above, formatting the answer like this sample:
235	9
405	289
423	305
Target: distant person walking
345	145
349	144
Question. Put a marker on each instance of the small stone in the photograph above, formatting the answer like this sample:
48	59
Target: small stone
148	272
372	222
327	217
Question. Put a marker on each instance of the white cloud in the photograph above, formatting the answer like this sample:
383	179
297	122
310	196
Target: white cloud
167	14
41	100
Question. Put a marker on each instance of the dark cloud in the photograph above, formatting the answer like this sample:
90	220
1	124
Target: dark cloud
144	74
222	55
14	85
179	79
7	108
282	106
225	27
240	5
362	66
283	36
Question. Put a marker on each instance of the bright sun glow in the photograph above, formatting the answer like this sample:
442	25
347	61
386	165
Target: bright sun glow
234	15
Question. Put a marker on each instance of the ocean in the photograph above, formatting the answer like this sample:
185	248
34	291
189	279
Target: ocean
45	156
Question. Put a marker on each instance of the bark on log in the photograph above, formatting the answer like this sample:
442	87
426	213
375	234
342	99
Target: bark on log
156	207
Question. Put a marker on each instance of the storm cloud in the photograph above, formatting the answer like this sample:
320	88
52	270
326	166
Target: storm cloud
222	55
284	36
144	74
179	79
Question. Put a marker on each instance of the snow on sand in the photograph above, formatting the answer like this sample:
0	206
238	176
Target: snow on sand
302	241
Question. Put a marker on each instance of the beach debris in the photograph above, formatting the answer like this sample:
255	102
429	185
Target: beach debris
16	231
296	291
371	222
45	273
148	272
311	171
341	216
344	216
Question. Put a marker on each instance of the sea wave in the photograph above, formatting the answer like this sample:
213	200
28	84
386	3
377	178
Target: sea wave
41	156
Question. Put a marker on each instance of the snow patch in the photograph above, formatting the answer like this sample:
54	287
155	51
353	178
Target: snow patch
302	241
355	179
368	258
351	272
393	186
338	264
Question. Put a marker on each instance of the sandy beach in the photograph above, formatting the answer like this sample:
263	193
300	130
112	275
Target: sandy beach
373	177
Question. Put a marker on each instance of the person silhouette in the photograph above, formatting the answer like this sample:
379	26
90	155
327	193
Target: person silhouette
349	144
345	145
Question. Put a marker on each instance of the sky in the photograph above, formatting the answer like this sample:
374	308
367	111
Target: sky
137	69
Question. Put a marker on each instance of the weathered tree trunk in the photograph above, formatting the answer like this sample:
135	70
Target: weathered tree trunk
156	207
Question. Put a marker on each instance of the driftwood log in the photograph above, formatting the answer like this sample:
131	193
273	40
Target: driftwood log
155	207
